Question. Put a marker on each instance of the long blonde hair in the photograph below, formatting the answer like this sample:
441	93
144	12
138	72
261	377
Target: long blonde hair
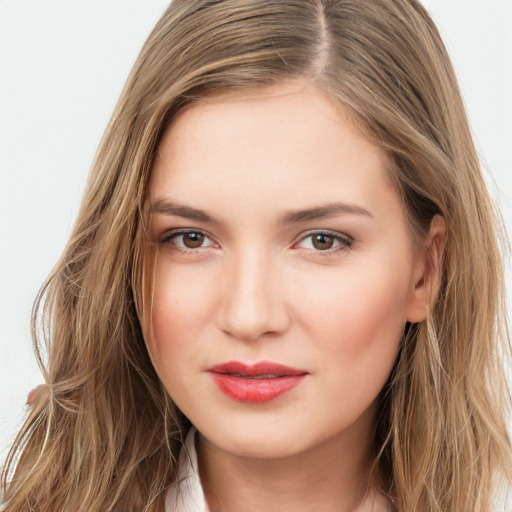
102	433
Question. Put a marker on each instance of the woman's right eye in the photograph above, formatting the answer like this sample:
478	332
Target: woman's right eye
188	240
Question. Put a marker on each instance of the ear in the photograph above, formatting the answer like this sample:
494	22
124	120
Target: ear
428	271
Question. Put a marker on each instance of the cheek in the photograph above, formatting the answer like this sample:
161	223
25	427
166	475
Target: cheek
359	318
357	332
181	306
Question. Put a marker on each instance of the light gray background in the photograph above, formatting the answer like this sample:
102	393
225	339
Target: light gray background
62	67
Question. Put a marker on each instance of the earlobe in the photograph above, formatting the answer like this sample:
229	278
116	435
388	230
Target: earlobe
428	273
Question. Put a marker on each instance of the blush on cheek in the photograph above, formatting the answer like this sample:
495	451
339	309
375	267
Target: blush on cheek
180	314
356	316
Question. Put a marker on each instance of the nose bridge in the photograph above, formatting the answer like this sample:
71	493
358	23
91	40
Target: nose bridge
252	300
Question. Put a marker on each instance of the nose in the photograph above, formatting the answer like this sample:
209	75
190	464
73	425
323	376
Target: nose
253	304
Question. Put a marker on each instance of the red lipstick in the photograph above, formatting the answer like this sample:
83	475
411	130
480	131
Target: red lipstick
256	383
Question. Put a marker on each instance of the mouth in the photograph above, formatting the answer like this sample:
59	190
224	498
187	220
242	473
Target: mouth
257	383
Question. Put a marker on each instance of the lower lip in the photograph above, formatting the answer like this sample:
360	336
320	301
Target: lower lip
255	391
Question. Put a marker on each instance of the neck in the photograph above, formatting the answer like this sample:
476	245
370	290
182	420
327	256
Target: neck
332	476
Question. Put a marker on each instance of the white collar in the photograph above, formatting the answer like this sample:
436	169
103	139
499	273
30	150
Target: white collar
186	495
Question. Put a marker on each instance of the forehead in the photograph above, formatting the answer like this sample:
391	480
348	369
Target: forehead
283	144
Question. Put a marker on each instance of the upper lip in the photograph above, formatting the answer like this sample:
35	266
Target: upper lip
256	369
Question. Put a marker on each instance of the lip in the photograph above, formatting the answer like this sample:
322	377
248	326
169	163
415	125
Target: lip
255	383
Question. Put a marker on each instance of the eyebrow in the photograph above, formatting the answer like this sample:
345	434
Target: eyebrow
321	212
165	207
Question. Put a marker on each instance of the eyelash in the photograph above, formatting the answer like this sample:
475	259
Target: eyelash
344	241
169	240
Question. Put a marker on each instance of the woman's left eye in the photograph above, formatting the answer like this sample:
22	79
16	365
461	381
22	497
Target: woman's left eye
322	241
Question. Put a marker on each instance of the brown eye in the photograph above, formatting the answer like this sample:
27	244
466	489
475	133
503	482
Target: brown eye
322	242
188	241
326	242
193	240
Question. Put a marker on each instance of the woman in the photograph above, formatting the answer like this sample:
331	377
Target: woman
276	246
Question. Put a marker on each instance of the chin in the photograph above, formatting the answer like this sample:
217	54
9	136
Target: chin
255	440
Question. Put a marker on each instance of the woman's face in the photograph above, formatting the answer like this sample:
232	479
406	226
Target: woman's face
284	272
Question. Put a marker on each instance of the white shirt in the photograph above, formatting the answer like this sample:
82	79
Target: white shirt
187	494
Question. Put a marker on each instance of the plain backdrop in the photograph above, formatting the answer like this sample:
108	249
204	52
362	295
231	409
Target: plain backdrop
62	67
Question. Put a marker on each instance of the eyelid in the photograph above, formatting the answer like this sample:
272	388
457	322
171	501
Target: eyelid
168	237
345	241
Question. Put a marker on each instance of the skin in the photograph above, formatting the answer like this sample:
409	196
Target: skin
257	288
